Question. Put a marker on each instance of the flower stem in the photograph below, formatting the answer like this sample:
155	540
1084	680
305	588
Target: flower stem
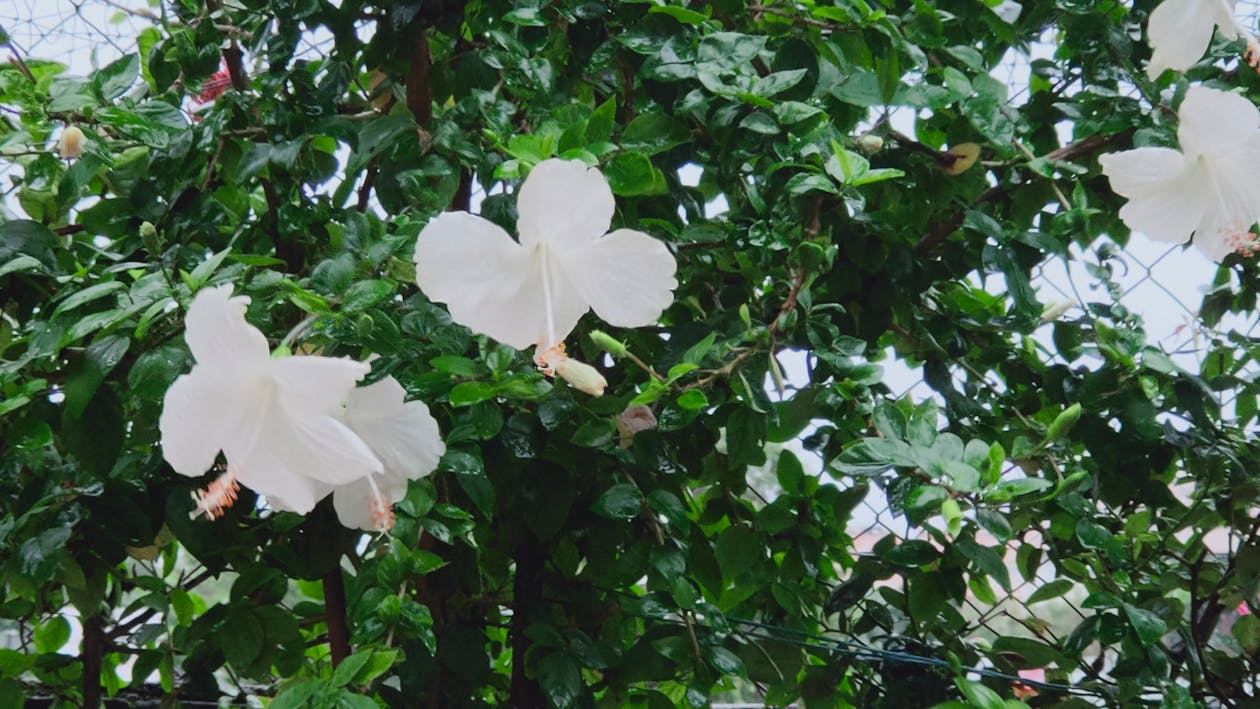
335	616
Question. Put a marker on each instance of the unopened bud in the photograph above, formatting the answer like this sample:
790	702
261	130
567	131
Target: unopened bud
607	343
364	325
582	376
870	144
1063	423
1054	311
70	144
149	237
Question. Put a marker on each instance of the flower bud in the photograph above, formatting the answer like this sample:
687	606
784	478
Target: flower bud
607	343
1054	311
1063	423
149	237
582	376
870	144
70	144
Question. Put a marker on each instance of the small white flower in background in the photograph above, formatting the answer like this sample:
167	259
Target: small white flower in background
535	291
1180	31
406	439
1209	188
277	421
70	144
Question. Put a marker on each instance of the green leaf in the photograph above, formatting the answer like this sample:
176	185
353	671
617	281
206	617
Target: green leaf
155	371
693	400
913	552
99	358
469	393
1148	625
52	634
621	501
87	295
1051	589
114	79
241	638
297	695
738	550
560	679
593	434
364	294
632	174
654	132
350	667
724	661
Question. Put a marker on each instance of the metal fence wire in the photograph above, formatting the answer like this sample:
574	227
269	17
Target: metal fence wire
1161	284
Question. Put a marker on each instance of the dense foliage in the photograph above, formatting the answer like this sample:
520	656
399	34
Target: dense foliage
553	560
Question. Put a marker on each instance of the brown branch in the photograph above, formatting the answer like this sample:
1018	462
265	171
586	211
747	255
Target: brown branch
365	189
942	158
93	650
419	89
235	60
335	616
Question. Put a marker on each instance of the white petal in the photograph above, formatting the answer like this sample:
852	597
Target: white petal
313	385
627	277
482	275
1167	195
563	202
199	413
490	283
1215	123
403	435
1179	32
293	450
219	336
353	501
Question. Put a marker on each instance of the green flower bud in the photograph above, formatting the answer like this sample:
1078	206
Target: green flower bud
1063	423
149	237
364	325
607	343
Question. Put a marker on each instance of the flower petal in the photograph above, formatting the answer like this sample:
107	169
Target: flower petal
627	277
1215	123
564	203
490	283
353	501
219	336
403	435
1167	194
198	415
1179	32
294	451
312	385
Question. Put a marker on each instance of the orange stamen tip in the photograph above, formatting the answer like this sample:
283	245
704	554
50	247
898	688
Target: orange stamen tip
1243	243
217	497
381	513
547	360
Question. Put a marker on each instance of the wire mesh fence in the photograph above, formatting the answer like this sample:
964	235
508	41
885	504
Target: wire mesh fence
1160	283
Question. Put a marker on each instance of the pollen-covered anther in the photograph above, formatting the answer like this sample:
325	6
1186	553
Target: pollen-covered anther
380	509
1252	55
1243	243
217	497
547	359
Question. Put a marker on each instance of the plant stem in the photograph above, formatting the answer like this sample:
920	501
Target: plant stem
335	616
